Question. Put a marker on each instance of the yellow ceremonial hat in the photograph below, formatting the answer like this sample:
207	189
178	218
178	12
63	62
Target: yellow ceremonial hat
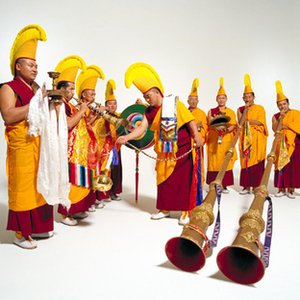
109	92
194	89
87	79
25	44
221	90
279	92
247	83
68	68
144	77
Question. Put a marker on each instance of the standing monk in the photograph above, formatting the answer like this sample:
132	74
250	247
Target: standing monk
253	140
219	141
174	127
106	137
287	164
68	69
29	214
83	146
200	119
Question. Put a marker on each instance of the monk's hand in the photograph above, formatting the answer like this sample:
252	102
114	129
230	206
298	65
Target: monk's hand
198	142
44	91
122	140
199	126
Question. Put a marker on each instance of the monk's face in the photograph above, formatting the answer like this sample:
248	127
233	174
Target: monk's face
193	102
221	100
88	95
283	105
27	69
153	97
69	91
248	99
111	105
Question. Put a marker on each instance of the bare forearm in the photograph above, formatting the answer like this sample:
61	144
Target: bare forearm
15	114
73	121
195	135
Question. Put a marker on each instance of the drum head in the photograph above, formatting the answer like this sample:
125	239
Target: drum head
219	120
134	114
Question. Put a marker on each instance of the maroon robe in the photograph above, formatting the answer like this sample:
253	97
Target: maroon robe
174	192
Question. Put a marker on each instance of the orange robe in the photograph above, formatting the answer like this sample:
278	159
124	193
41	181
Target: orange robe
216	152
292	121
252	160
289	174
28	211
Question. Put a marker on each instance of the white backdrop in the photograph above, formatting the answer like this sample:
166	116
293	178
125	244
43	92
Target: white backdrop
181	39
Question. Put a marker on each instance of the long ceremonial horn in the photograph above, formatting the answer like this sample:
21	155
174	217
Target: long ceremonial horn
240	261
109	117
186	252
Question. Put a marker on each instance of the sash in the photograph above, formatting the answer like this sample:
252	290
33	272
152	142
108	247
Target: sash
52	177
168	136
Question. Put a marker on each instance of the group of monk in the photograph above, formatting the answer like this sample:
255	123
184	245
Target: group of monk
57	149
252	140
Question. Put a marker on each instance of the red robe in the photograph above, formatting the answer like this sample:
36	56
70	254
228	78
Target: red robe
174	192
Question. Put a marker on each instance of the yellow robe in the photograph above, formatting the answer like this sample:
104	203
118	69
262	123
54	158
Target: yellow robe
101	134
78	193
200	116
292	121
259	137
22	166
216	152
165	168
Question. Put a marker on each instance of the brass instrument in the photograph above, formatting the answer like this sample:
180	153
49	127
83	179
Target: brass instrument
240	261
108	116
186	251
55	95
102	183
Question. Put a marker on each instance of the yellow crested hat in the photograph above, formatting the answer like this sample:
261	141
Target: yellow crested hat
87	79
109	92
221	90
194	89
279	92
143	76
247	83
25	44
68	68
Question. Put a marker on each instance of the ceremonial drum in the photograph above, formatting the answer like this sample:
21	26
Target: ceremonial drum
220	121
134	115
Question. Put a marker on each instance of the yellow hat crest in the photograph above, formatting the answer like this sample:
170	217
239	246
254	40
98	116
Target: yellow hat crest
143	76
68	68
109	92
194	89
87	79
221	90
247	83
279	92
25	44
